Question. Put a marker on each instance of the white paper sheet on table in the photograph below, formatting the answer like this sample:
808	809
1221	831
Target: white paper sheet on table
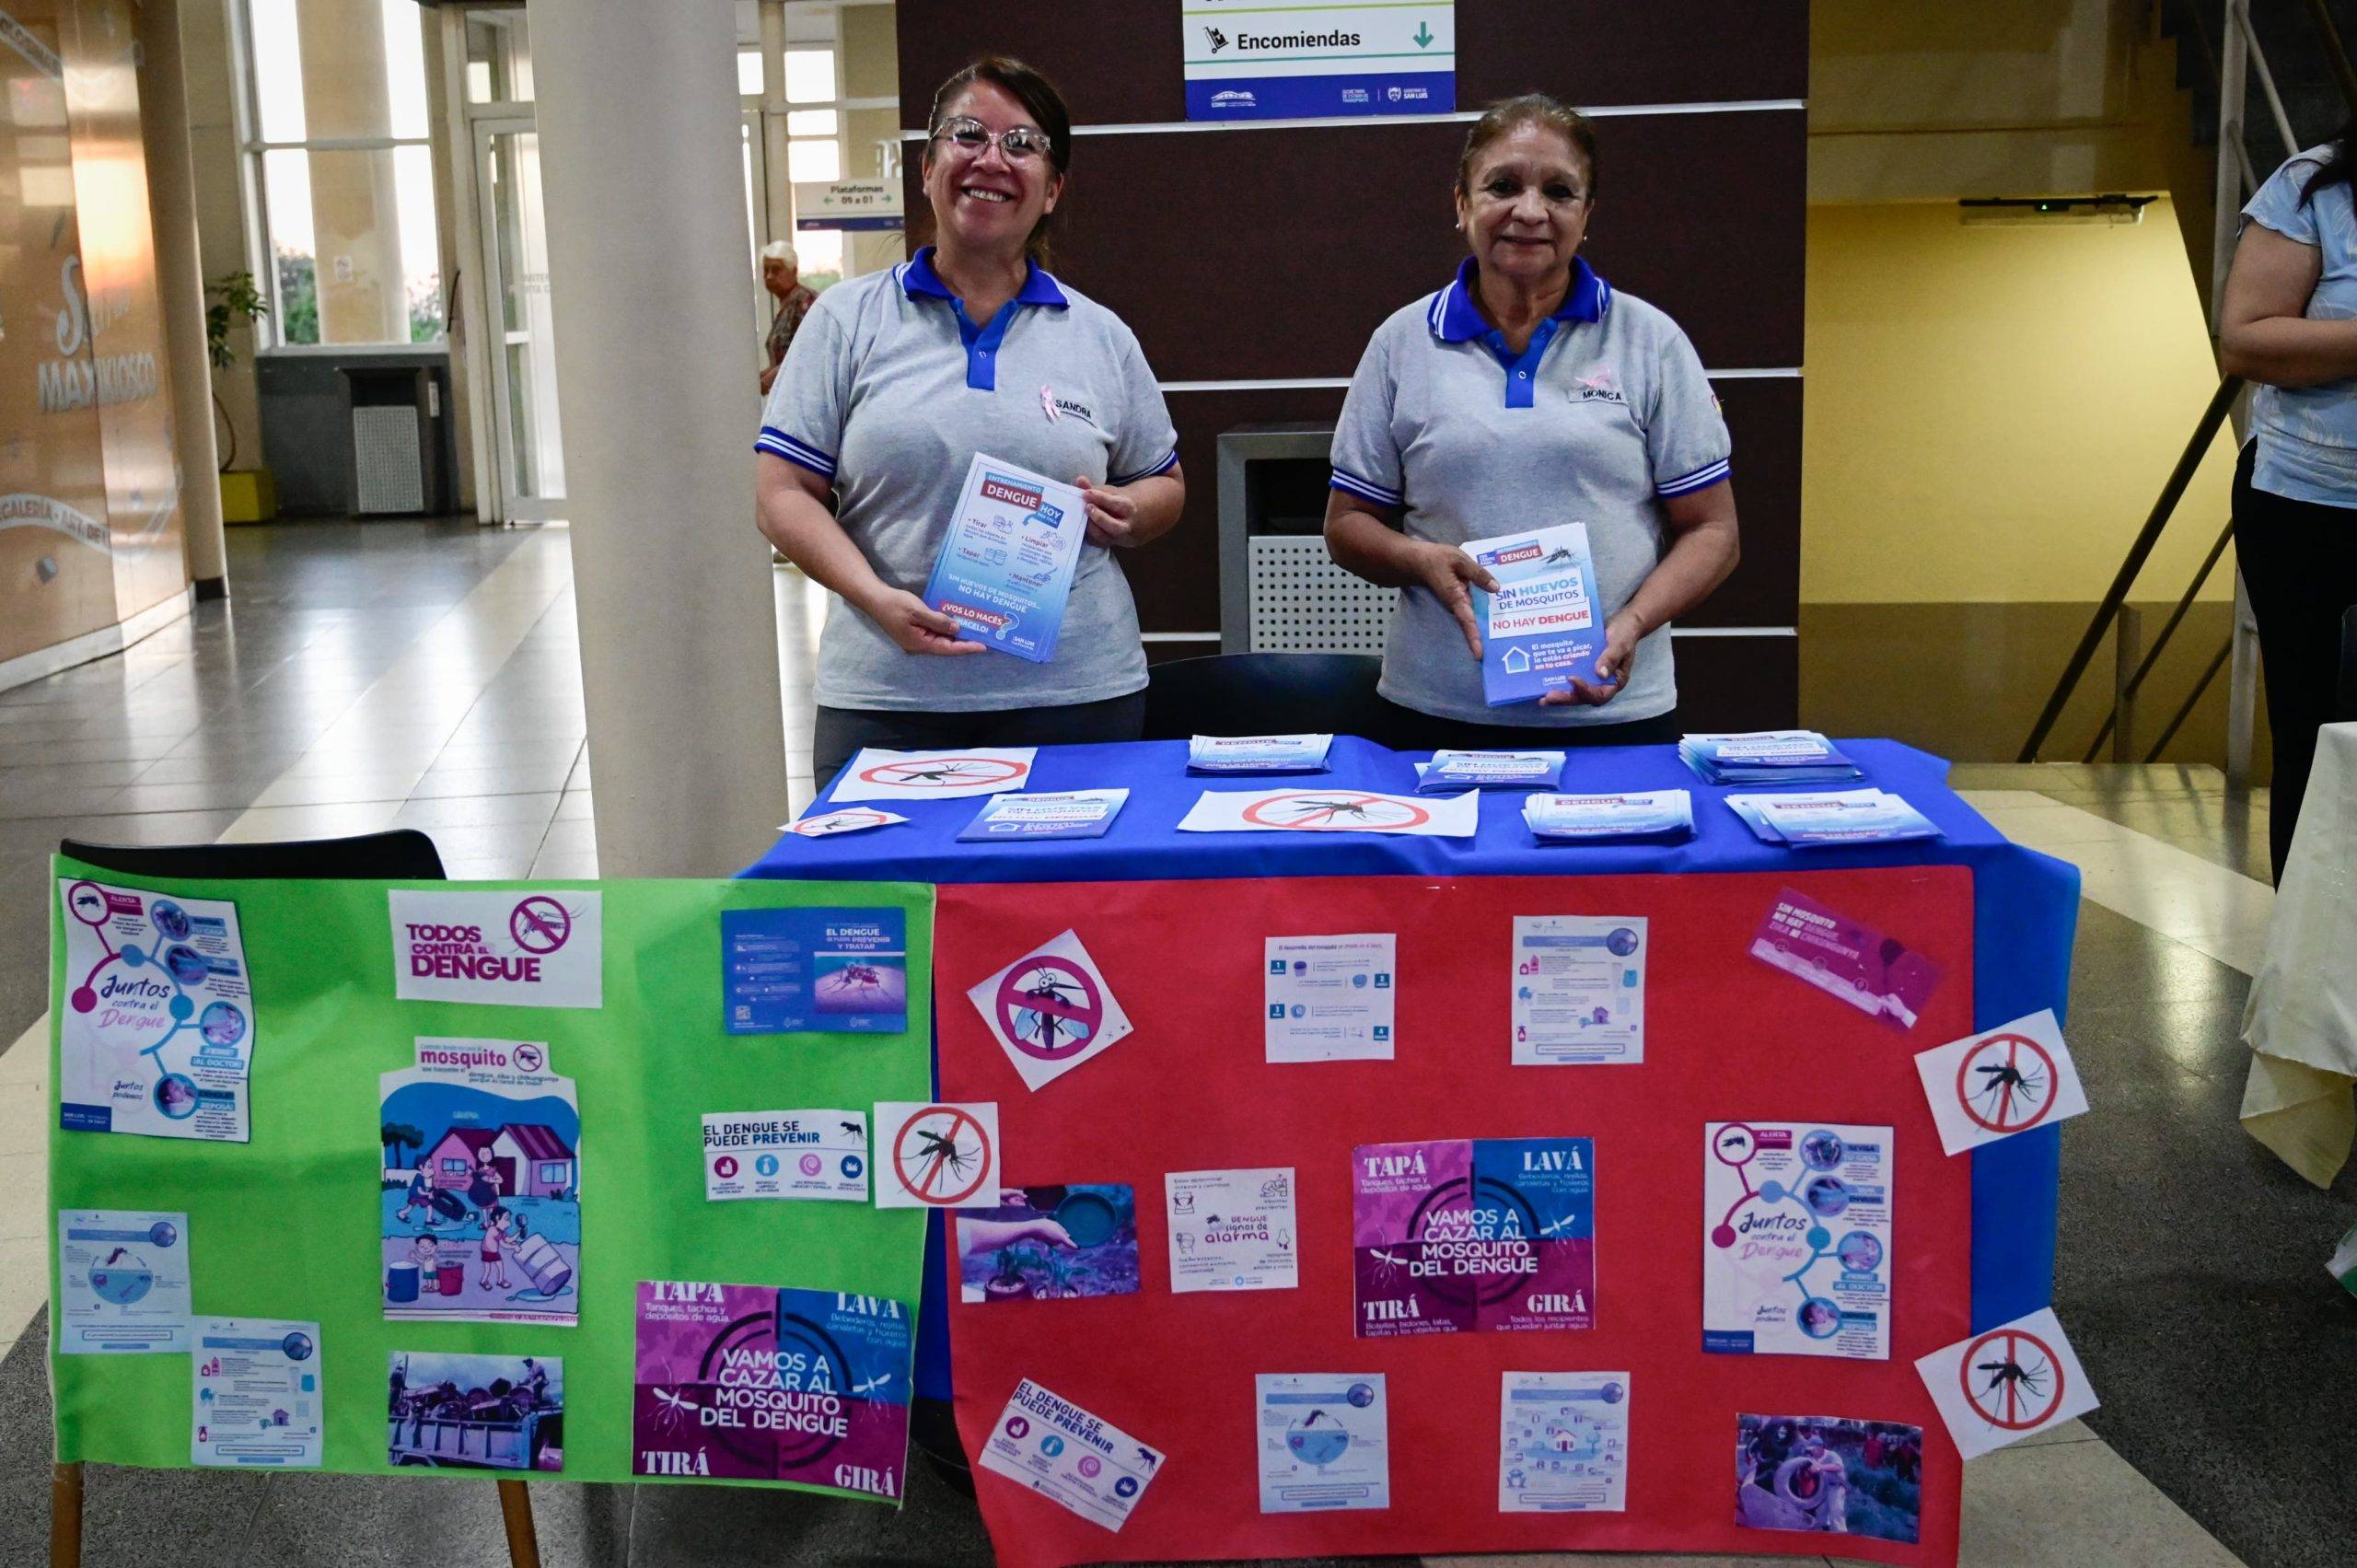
878	774
1305	810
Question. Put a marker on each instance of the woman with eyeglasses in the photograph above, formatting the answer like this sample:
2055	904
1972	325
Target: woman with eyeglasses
1527	393
896	379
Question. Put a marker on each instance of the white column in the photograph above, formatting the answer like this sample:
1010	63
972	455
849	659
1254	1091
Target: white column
180	290
644	199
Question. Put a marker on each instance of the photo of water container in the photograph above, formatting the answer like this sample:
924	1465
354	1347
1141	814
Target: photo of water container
401	1283
549	1271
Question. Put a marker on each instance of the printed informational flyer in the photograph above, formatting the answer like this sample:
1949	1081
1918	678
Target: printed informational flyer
475	1412
1325	1442
259	1404
1257	753
2018	1380
1565	1446
1329	998
158	1034
1797	1239
1051	1010
818	970
878	774
1049	1244
785	1154
1877	974
1006	562
1489	770
522	949
479	1198
1302	810
752	1383
1456	1234
1542	630
123	1283
1579	990
2000	1081
1073	1459
1063	814
1232	1230
853	819
936	1156
1828	1474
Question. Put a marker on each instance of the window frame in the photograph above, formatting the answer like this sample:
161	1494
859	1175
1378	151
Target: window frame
261	259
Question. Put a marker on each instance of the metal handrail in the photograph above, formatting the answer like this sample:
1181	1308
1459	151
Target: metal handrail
2184	710
2135	683
2336	52
2213	418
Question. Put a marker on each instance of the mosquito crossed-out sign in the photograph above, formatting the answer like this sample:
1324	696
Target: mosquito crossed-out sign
939	1155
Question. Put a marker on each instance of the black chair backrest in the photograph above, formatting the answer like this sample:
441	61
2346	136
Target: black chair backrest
2344	707
1264	694
398	854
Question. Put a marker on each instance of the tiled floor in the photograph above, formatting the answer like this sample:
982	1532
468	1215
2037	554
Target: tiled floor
426	675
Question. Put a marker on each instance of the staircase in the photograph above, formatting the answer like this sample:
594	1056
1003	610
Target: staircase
2302	71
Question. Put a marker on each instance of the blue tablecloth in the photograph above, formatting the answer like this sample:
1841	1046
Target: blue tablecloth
2026	910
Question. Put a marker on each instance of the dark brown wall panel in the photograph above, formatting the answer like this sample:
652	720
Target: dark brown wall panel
1294	245
1764	417
1738	683
1118	62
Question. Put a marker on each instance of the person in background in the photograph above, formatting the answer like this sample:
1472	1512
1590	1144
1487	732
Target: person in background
898	378
782	275
1529	392
2289	322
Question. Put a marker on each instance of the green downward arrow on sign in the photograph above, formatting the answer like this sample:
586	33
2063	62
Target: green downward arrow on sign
1423	35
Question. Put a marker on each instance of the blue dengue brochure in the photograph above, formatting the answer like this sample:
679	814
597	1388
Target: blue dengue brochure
1835	816
1325	1442
1451	771
1542	629
1766	755
823	970
1045	814
1006	562
1652	814
1257	753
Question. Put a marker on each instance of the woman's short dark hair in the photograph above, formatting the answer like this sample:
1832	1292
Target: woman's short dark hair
2340	166
1510	114
1038	97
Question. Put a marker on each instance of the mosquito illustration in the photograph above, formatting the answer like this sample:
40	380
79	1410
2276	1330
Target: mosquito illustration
940	1152
1320	811
1042	1025
2030	1380
677	1410
858	977
1147	1456
936	772
1555	554
541	924
1389	1266
87	901
879	1380
2003	1080
854	1130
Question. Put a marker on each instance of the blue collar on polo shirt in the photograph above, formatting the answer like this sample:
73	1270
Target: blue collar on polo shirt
1455	317
917	276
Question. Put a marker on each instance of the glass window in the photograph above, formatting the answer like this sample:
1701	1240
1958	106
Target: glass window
455	1167
810	75
552	1174
807	161
812	122
748	73
346	172
499	58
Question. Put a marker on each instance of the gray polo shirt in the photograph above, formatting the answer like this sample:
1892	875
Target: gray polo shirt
889	391
1607	413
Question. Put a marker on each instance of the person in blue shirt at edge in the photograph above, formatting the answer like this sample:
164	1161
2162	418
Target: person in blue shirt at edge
1529	392
896	379
2289	323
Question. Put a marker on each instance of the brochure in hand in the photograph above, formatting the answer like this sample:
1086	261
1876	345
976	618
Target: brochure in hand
1542	629
1766	757
1007	563
1838	817
1655	813
1257	753
1449	772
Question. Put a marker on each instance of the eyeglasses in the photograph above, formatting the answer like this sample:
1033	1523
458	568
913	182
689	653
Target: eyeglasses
1021	144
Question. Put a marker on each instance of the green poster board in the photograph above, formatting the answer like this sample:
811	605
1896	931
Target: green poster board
287	1226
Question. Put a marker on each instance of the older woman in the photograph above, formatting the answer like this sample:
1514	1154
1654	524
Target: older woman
2289	322
894	382
782	275
1529	392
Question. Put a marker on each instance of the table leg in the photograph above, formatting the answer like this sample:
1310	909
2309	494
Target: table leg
516	1512
65	1515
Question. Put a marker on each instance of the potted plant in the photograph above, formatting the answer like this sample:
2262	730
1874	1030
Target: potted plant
1008	1283
249	496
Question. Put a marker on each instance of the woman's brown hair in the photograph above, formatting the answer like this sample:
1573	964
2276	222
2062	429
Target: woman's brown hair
1510	114
1038	97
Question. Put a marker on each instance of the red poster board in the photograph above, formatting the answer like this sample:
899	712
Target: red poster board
1727	1037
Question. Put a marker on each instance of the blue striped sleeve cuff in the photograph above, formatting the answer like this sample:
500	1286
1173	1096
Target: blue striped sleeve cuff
1702	478
1163	464
1366	489
777	442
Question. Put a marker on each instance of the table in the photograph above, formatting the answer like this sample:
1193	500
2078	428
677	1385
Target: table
2023	910
2300	1019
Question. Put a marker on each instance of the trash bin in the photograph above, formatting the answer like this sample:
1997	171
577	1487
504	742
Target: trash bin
395	439
1278	591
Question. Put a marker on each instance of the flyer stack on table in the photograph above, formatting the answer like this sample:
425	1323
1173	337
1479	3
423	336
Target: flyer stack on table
1393	972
